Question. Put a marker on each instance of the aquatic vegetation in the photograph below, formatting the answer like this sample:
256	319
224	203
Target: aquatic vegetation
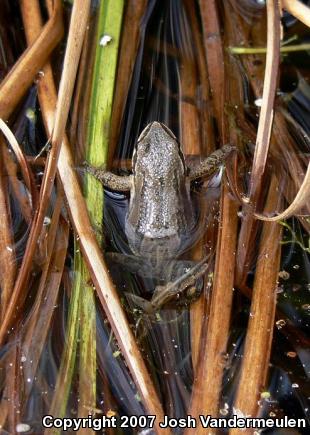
80	333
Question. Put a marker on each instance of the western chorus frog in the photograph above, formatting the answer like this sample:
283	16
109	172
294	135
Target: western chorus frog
161	222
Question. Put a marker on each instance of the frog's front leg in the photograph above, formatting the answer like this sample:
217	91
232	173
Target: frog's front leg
208	165
110	180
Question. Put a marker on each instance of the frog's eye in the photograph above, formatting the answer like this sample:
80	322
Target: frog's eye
144	132
146	148
168	131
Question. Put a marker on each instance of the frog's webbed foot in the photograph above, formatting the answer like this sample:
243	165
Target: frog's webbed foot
208	165
163	294
108	179
144	314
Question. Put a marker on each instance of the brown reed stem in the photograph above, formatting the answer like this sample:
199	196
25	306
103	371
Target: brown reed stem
211	363
262	314
298	9
18	80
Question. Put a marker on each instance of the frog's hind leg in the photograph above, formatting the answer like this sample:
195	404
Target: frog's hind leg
186	281
185	275
134	264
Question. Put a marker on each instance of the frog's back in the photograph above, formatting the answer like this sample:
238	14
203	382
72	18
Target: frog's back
160	215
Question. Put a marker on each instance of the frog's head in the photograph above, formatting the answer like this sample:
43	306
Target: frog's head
158	153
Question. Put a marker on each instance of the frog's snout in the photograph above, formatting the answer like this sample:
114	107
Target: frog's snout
155	129
155	125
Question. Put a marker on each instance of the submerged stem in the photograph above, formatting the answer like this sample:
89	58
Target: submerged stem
263	50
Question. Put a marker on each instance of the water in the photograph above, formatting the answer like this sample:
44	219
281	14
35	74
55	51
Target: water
168	55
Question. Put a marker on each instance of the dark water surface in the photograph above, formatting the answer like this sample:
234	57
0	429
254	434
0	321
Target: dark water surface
157	93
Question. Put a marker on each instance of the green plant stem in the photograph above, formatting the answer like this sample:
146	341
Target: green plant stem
100	110
263	50
65	374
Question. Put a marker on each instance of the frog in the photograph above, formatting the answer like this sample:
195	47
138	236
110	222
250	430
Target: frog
160	223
